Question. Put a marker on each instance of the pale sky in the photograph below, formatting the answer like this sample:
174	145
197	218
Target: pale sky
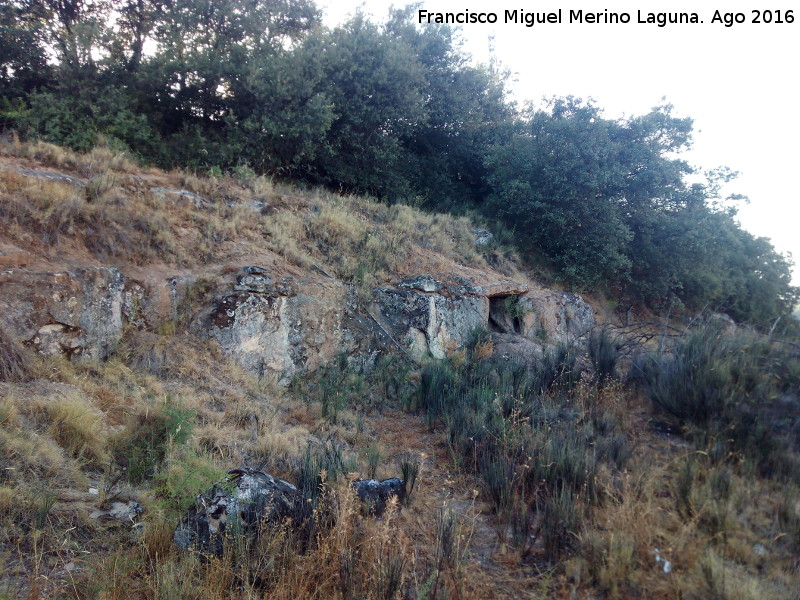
740	84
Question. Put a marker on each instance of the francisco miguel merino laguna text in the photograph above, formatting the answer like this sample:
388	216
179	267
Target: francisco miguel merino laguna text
529	19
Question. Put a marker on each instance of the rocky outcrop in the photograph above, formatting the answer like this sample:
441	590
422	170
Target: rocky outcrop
554	316
275	325
279	326
423	283
76	312
511	347
120	511
431	319
246	503
152	301
483	237
428	323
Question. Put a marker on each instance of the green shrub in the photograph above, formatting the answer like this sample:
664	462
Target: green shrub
724	388
522	429
147	439
497	472
562	515
319	467
603	352
373	456
409	468
183	475
337	387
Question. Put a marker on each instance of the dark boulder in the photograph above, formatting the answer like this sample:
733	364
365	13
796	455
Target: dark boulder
375	494
246	502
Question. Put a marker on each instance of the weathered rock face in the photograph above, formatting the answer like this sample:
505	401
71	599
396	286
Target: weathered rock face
274	325
554	316
423	283
279	327
77	312
483	237
246	503
512	347
149	303
430	319
429	322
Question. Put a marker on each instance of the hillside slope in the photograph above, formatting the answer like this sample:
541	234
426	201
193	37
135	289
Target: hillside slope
158	329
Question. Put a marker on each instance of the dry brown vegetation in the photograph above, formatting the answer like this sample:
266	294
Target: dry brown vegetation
726	533
117	216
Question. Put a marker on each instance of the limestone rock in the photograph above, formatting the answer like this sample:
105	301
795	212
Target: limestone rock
76	312
151	300
554	316
247	502
490	289
199	201
120	511
276	335
446	323
255	270
263	284
511	347
52	176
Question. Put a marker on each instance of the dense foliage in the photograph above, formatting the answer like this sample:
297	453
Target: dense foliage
396	111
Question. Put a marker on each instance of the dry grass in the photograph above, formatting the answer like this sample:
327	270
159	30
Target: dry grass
237	420
119	217
75	425
99	160
713	546
15	363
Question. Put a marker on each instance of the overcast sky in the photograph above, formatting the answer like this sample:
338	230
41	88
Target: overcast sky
740	84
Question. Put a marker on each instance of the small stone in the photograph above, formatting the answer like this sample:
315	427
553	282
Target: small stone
760	550
254	270
483	237
125	511
94	491
375	494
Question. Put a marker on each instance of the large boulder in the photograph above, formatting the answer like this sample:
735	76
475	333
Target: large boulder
245	503
517	348
249	502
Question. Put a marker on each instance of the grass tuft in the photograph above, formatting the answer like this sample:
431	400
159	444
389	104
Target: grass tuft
16	365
